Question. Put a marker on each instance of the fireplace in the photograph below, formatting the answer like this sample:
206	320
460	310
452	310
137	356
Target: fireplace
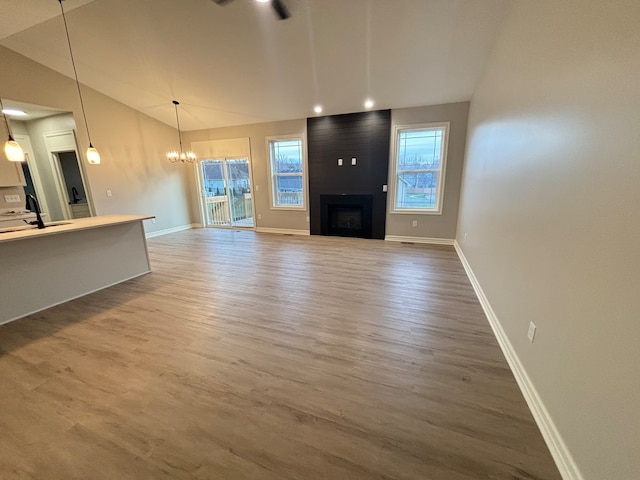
346	215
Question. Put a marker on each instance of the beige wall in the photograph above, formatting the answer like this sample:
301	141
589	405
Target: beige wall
257	133
131	144
550	214
12	191
444	225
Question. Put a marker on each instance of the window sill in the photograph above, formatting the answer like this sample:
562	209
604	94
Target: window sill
300	208
416	212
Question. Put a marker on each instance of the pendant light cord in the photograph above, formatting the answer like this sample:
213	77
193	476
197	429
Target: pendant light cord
75	72
175	104
6	121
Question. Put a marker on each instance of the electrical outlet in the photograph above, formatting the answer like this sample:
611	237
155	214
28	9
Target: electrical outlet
414	223
259	216
532	332
257	188
109	194
12	198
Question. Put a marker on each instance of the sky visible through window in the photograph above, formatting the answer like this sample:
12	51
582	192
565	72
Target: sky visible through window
286	165
418	168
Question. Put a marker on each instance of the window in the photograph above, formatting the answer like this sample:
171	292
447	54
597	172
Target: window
419	166
286	155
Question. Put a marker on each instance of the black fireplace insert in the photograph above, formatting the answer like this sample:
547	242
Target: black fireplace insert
346	215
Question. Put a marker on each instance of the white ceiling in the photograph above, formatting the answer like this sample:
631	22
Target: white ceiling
238	64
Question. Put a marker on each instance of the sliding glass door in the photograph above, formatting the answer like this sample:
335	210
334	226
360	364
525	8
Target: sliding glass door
226	192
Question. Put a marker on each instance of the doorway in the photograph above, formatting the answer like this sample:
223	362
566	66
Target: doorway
68	174
226	192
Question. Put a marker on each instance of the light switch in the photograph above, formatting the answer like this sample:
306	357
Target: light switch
12	198
339	162
109	194
353	161
384	188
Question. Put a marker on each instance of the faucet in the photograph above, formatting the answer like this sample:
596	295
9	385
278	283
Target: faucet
74	191
32	199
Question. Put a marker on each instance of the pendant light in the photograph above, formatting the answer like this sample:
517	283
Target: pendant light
181	156
12	149
93	156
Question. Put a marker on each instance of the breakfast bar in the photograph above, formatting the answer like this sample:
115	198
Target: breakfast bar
40	268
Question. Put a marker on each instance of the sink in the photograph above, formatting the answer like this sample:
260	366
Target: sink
21	228
55	224
17	229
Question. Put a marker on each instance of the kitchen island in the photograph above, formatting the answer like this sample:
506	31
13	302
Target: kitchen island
40	268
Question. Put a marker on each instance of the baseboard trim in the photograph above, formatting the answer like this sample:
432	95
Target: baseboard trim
166	231
433	241
559	451
282	231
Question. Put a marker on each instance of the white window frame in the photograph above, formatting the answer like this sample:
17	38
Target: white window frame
398	129
273	175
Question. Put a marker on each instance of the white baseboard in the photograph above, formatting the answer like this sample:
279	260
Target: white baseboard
283	231
434	241
166	231
559	450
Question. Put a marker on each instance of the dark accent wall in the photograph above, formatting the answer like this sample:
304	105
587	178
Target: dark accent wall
364	136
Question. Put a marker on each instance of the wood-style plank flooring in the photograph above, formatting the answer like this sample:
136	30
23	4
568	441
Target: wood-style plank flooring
259	356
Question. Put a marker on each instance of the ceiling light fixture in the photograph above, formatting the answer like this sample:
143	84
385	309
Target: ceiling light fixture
93	156
181	156
12	149
13	112
368	103
317	109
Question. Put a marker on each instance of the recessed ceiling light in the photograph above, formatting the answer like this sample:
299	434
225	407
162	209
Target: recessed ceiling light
317	109
11	111
368	103
262	1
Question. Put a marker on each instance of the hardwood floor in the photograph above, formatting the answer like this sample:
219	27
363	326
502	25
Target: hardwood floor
258	356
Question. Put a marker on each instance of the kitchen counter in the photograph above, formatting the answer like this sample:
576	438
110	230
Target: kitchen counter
43	268
66	226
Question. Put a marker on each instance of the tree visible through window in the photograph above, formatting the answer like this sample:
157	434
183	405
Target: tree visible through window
287	172
419	168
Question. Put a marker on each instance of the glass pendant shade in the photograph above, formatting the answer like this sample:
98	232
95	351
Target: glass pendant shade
13	151
93	157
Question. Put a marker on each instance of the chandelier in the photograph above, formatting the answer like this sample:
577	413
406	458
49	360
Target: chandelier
181	156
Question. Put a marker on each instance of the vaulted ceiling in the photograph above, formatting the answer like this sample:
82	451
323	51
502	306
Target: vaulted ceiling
238	64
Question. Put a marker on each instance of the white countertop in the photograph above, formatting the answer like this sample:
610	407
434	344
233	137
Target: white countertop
72	226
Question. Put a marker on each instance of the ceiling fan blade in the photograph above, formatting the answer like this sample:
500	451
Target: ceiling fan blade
281	9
